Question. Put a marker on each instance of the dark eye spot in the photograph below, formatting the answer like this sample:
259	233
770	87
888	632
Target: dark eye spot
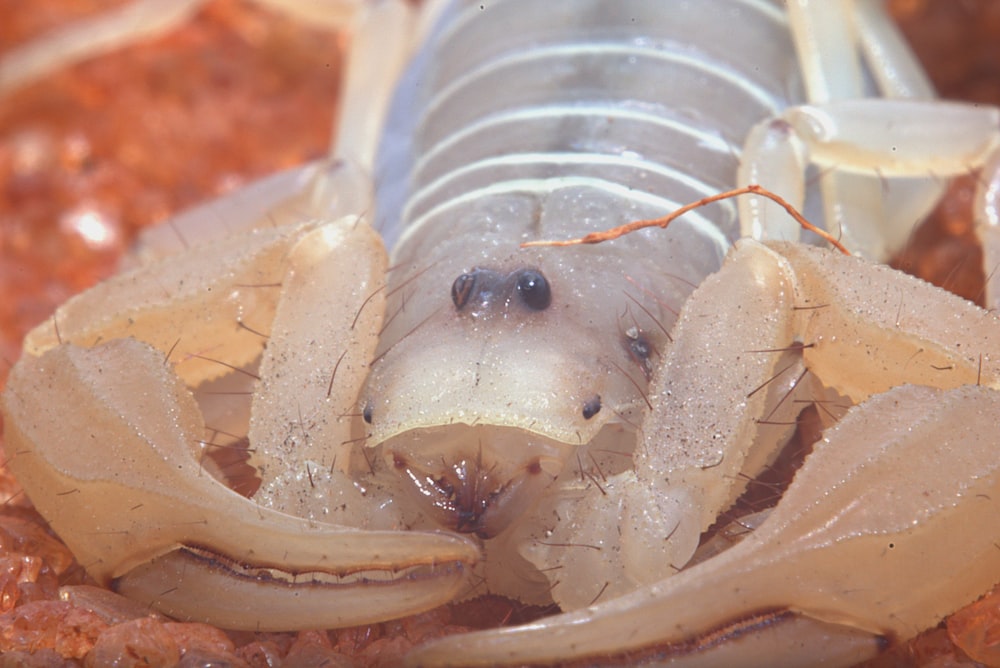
534	290
367	413
640	350
592	407
461	289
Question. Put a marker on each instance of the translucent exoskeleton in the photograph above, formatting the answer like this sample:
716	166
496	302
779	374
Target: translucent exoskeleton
551	424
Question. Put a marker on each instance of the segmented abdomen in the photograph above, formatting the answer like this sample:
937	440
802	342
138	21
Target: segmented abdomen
638	100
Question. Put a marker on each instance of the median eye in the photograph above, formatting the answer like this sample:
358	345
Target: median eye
461	289
534	290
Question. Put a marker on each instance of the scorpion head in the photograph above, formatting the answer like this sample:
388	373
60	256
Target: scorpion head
478	436
480	408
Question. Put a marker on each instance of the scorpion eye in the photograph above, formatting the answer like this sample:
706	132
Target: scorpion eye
592	407
367	413
534	290
461	289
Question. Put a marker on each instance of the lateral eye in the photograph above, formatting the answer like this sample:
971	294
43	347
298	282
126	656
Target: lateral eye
534	290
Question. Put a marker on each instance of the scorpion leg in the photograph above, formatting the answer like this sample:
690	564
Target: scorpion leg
133	22
873	492
882	161
91	37
382	36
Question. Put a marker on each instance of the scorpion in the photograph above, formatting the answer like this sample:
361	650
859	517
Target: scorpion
558	424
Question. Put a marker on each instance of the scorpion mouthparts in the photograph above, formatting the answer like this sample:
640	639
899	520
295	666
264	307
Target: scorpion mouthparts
473	489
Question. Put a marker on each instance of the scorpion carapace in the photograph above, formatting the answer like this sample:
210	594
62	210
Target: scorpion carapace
482	403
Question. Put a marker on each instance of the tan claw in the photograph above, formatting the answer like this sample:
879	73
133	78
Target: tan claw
860	552
139	512
109	442
891	523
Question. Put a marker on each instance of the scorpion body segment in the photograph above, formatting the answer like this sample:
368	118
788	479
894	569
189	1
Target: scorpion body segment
524	122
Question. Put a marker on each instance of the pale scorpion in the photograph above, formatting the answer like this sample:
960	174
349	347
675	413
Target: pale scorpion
586	412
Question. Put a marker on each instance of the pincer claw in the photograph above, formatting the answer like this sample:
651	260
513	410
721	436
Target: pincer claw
137	508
